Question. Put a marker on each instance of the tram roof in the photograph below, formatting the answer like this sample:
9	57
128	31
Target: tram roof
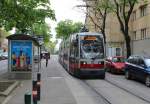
90	33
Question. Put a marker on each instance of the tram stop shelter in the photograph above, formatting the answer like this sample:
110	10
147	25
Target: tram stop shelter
23	56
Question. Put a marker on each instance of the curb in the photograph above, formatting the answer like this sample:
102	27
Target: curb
10	88
6	100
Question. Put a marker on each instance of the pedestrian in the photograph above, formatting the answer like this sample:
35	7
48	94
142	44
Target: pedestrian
46	57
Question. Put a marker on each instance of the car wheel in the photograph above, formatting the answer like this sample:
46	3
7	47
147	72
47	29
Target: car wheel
112	70
147	81
127	75
107	69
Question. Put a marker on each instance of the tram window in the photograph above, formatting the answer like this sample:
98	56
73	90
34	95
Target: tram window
72	50
76	51
91	47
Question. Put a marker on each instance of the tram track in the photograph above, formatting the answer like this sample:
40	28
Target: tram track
128	91
99	94
118	86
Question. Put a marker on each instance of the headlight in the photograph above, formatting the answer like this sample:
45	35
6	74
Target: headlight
84	62
101	62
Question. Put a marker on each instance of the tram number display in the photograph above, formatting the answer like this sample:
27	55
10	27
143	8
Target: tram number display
88	38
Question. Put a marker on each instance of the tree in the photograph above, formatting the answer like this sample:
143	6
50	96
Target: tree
41	30
51	46
101	8
22	14
123	9
67	27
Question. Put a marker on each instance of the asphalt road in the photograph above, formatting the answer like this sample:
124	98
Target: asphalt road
3	66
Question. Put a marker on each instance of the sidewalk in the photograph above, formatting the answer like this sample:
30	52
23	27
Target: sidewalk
54	89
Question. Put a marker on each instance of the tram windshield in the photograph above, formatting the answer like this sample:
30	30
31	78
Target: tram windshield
91	47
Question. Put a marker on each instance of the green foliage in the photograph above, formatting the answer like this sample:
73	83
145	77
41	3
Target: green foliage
22	14
50	46
103	5
41	30
67	27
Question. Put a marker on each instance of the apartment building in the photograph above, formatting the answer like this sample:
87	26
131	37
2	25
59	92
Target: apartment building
139	30
3	41
114	37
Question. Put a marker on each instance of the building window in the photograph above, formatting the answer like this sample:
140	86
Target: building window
134	35
118	51
143	33
134	16
143	10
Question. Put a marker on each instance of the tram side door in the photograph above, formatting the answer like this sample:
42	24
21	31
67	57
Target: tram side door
76	61
71	58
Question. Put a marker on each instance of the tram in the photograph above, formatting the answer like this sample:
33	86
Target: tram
83	54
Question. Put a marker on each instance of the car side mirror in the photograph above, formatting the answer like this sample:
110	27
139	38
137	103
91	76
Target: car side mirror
143	65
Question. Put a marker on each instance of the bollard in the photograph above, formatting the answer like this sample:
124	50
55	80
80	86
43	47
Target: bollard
38	76
38	86
34	92
27	98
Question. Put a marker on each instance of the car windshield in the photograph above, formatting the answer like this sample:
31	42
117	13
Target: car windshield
147	62
92	47
118	59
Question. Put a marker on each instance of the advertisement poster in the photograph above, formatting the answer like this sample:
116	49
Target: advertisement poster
21	55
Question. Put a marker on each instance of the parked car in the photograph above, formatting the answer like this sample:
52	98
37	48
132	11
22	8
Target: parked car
138	67
115	64
5	55
0	56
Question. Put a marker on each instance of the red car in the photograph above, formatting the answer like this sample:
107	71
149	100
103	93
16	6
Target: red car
115	64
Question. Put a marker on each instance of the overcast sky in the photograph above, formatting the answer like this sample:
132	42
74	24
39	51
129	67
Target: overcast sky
66	9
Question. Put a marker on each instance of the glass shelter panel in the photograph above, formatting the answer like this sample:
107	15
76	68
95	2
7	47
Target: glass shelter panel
21	56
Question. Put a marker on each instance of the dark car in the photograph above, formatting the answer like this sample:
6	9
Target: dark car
138	67
115	64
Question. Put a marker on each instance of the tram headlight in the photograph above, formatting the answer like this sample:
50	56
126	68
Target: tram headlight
101	62
83	62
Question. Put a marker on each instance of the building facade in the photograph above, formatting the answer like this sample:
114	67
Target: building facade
139	30
3	41
114	37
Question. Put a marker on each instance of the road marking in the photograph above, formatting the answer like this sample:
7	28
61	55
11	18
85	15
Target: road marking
54	77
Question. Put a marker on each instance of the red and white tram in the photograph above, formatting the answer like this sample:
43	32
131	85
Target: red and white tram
83	54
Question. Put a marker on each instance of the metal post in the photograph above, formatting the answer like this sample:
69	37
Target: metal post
38	86
34	92
40	57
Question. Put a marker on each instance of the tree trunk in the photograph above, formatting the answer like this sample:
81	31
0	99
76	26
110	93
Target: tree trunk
128	46
104	36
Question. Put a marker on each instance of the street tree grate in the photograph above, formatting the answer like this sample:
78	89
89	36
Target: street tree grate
6	87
